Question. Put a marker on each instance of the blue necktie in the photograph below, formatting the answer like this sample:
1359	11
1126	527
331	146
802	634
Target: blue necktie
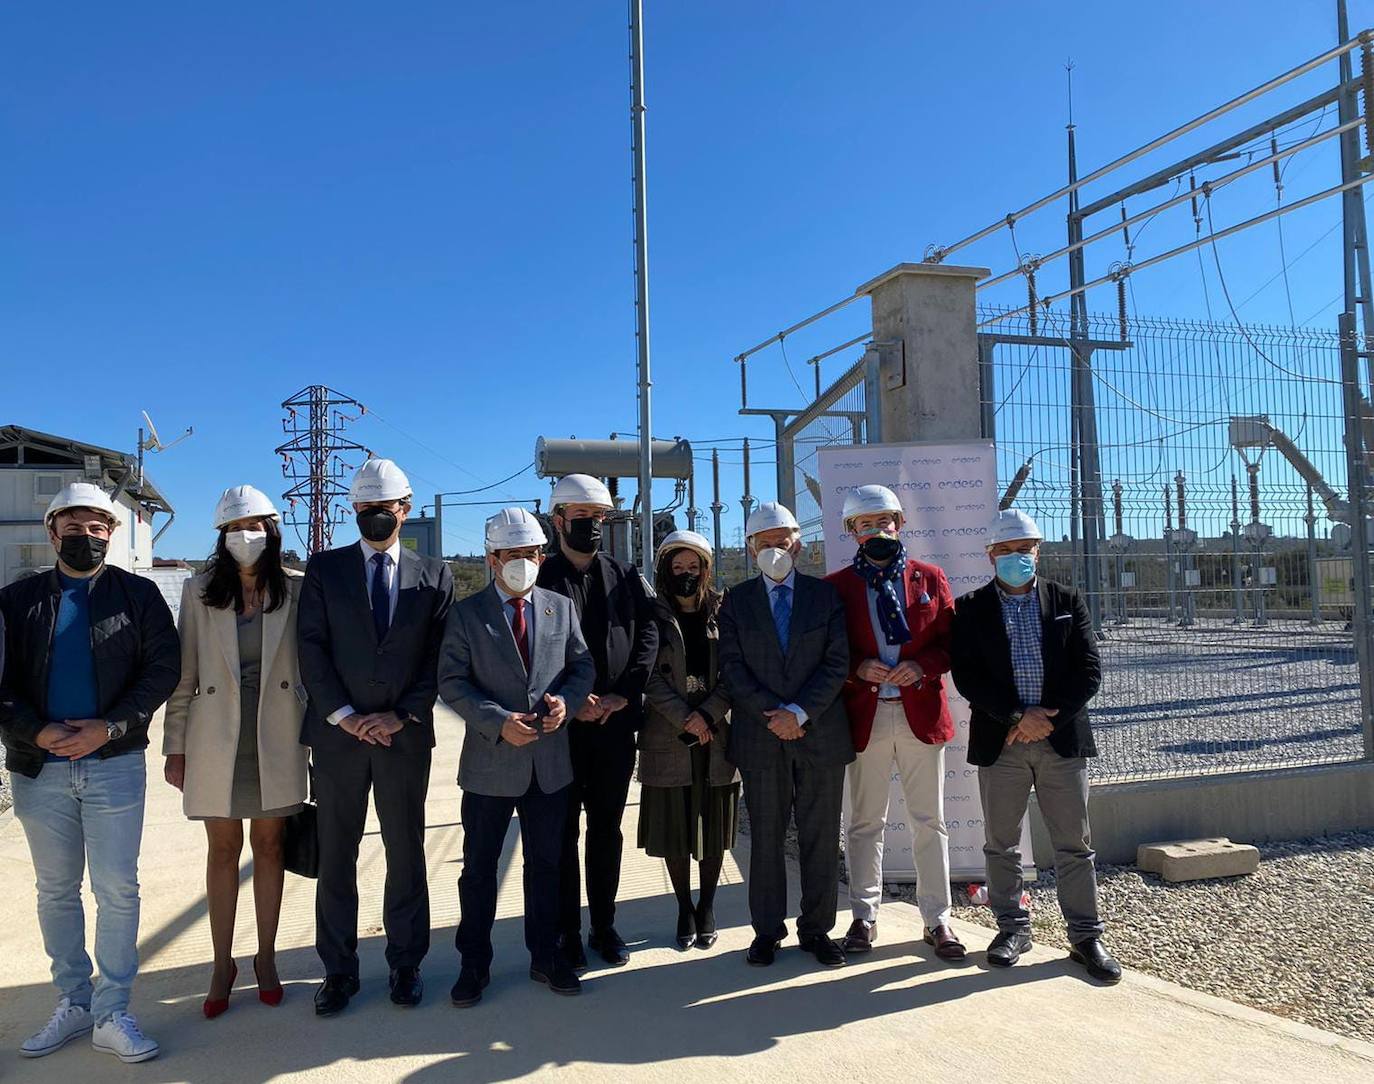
782	612
381	596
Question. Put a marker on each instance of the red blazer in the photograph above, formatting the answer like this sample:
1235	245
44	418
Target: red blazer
927	709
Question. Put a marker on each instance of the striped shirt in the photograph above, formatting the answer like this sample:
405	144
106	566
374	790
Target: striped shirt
1021	616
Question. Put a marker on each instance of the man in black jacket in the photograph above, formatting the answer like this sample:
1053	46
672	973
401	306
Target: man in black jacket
618	625
90	654
368	631
1024	655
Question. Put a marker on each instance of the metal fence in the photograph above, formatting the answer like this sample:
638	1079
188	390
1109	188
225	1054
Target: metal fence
1206	520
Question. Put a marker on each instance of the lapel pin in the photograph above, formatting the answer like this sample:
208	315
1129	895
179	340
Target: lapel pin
548	612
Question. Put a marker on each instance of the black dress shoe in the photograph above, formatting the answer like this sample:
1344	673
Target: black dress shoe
706	927
827	952
333	995
686	928
1099	962
1006	948
407	988
610	946
570	949
560	978
467	991
762	952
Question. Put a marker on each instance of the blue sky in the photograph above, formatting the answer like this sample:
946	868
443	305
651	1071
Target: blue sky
427	207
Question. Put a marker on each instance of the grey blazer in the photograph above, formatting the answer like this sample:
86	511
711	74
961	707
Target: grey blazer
483	679
759	676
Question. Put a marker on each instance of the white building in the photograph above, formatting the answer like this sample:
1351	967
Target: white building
34	466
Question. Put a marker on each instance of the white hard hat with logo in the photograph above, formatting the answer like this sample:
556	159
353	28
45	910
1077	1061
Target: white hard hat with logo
769	516
243	502
514	529
378	480
689	540
80	495
581	489
1012	525
866	500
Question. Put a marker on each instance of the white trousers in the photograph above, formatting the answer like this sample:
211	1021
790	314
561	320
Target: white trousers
922	771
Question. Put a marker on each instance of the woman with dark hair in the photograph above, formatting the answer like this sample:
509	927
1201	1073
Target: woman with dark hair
232	730
689	792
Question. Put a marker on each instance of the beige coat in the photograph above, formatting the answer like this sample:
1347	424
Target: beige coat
202	718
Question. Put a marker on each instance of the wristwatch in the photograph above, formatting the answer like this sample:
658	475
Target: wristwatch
113	730
1016	717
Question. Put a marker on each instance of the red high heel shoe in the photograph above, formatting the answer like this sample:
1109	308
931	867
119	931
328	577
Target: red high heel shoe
214	1006
268	997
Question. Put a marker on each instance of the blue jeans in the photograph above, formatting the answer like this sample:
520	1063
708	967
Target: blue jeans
79	813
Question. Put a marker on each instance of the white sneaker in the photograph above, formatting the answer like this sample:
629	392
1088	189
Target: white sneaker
119	1035
68	1021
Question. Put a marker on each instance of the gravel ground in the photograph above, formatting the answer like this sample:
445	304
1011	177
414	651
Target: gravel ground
1292	939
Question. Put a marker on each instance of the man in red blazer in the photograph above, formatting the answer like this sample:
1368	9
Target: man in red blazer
899	613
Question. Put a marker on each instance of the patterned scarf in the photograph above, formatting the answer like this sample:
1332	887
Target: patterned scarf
886	582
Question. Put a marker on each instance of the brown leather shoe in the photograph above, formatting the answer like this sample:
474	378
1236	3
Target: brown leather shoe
861	936
947	946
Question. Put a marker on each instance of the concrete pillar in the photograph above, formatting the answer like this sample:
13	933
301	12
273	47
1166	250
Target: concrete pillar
926	338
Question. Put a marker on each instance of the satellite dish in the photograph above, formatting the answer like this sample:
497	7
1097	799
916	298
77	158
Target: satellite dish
153	443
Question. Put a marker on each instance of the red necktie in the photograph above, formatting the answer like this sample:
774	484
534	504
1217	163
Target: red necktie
517	626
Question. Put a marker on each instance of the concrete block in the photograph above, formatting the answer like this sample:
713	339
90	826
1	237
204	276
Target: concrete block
1197	859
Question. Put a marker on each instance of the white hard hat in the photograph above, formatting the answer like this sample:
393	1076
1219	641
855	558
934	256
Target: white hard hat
514	529
378	480
80	495
865	500
768	516
581	489
243	502
689	540
1012	525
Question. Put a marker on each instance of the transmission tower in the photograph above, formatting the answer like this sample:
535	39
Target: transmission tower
311	461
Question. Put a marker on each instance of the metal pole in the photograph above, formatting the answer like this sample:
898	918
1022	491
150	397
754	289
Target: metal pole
646	470
716	509
439	524
1355	236
747	498
1359	527
987	387
784	453
1313	580
1169	549
1237	589
692	513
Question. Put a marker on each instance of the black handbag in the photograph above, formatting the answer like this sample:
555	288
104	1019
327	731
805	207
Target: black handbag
302	841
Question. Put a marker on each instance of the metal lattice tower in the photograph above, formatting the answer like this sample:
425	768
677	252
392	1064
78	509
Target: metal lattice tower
314	425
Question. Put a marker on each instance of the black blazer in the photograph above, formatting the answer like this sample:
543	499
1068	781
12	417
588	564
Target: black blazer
980	657
342	662
758	676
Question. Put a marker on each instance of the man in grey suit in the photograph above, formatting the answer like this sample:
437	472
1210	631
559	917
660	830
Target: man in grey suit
515	667
784	658
368	629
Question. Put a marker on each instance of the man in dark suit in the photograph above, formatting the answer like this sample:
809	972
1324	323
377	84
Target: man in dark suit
1024	655
368	631
513	665
784	658
618	625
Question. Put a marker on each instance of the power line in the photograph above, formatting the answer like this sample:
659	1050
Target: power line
415	440
482	489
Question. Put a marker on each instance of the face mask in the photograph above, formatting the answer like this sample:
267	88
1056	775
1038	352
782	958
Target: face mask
82	552
1016	569
376	524
519	575
583	534
684	584
246	546
878	547
774	563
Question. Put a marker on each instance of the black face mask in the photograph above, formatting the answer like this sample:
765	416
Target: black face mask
583	534
878	548
82	552
376	524
684	584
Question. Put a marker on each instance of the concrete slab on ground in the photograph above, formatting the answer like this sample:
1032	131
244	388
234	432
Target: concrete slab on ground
1198	859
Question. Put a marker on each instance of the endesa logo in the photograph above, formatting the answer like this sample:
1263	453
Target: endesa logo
846	464
929	508
972	555
928	533
966	459
963	532
967	581
958	797
919	487
936	558
887	463
962	849
981	506
926	461
962	483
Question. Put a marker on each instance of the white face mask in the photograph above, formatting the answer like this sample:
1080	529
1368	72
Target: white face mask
519	575
246	546
775	563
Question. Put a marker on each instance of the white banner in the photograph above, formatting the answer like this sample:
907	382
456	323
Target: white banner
948	492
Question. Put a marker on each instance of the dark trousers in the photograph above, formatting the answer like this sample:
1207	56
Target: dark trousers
603	761
398	776
815	793
485	821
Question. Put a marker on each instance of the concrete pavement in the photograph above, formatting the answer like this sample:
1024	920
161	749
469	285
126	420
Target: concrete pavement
898	1014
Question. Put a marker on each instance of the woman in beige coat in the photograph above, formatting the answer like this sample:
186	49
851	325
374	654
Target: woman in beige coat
232	732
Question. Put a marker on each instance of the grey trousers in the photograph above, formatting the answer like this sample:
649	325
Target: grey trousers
1061	788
